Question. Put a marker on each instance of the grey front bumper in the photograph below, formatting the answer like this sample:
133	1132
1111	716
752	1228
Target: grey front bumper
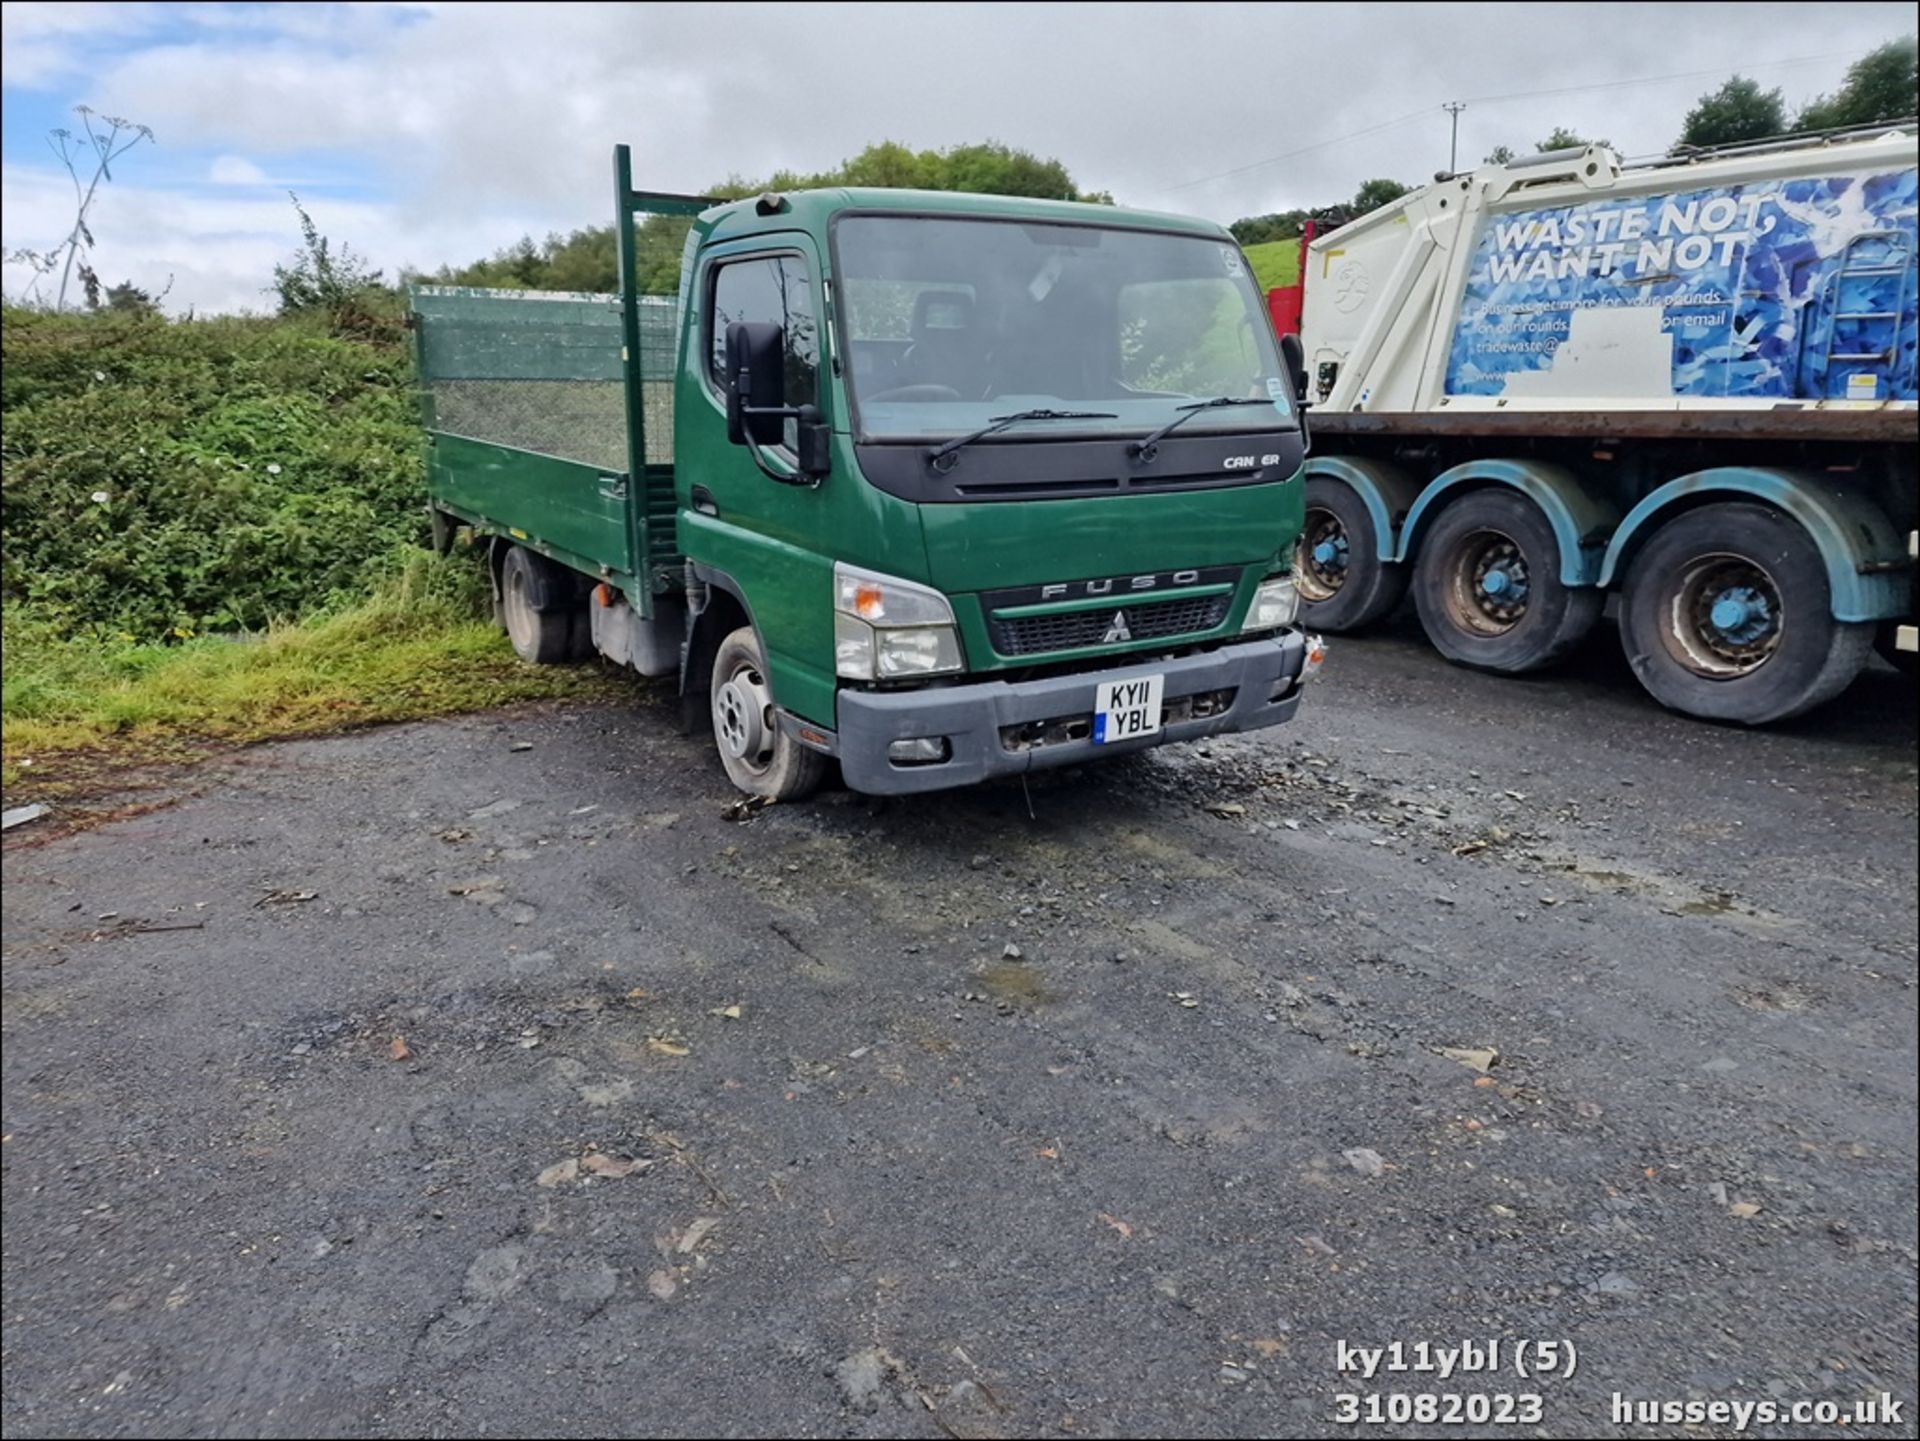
1264	676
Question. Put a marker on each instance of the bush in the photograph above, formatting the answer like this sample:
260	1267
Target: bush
165	478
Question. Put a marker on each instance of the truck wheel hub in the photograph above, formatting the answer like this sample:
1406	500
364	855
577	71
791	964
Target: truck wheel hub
1491	583
1724	617
1740	613
1324	555
741	712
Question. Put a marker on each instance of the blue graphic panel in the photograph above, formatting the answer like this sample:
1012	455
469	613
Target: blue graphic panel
1778	288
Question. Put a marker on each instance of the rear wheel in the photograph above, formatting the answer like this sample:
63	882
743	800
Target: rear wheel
1727	615
760	758
540	631
1487	584
1342	581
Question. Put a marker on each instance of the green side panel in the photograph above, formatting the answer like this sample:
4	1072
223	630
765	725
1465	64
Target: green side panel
574	511
789	592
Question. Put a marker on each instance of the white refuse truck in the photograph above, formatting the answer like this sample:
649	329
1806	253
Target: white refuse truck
1689	383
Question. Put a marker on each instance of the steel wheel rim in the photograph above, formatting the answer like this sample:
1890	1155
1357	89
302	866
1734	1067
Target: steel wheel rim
1489	583
743	717
1324	552
1723	619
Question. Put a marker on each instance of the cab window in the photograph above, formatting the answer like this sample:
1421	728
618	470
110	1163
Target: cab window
772	289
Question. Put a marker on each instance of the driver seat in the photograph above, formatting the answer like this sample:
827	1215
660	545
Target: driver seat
944	349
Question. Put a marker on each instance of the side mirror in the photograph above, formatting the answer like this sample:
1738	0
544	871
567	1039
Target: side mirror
1293	356
756	382
757	412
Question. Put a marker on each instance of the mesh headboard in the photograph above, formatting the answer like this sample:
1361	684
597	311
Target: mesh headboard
540	370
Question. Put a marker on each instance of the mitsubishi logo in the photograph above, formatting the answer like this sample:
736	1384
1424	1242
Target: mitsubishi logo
1118	631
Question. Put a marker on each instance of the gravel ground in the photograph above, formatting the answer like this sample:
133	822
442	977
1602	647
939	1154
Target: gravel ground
496	1077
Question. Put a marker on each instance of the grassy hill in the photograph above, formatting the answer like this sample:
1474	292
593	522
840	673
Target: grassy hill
1275	263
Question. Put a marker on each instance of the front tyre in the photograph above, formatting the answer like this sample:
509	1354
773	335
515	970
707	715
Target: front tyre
1487	585
1342	582
760	758
1727	615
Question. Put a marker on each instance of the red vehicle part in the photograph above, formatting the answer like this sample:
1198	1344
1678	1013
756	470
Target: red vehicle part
1284	302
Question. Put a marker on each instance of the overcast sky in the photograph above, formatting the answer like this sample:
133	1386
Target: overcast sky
425	133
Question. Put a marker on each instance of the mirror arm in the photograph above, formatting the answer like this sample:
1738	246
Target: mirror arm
806	415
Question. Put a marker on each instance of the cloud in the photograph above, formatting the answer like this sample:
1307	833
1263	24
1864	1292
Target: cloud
42	44
215	249
235	170
465	125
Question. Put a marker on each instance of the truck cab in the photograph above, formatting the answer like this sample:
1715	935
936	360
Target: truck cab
961	486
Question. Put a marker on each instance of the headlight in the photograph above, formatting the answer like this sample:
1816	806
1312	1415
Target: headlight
890	629
1274	605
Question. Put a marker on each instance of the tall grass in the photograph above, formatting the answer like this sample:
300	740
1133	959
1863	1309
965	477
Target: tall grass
420	645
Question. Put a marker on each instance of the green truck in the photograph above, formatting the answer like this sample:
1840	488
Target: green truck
939	486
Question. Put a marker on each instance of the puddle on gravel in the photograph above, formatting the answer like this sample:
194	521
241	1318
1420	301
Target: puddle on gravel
1674	896
1015	983
1612	880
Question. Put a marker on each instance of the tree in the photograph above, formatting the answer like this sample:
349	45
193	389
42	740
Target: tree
1281	225
1739	110
1879	87
126	298
1372	194
1565	139
1500	155
586	260
333	283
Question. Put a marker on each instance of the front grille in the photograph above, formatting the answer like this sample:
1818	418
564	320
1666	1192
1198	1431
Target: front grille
1077	630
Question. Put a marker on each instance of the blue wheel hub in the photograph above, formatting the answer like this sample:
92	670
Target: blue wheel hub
1326	556
1741	614
1725	618
1505	585
1331	553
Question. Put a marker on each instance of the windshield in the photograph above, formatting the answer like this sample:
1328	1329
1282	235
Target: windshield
950	324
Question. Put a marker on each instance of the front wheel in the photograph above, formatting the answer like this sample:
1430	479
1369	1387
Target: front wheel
1342	581
760	758
1488	588
1727	615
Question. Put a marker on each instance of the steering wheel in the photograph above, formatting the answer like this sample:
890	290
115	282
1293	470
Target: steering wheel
911	393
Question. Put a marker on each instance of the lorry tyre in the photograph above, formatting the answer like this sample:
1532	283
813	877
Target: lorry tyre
1337	569
760	758
1487	585
1726	615
543	636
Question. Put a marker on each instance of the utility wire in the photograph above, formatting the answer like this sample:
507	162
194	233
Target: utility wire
1428	110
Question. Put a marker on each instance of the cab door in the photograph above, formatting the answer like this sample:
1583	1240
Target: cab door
771	539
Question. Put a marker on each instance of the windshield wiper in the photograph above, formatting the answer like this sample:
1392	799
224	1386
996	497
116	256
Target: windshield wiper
1146	449
938	453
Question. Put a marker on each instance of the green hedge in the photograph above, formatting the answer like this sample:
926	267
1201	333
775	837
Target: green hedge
252	470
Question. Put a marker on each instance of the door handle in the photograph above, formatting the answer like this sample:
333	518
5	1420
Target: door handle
703	501
613	487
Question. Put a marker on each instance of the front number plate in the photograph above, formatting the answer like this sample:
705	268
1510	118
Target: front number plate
1124	710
